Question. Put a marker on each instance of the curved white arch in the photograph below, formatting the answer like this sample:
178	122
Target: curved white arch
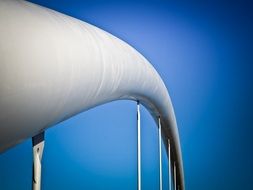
54	66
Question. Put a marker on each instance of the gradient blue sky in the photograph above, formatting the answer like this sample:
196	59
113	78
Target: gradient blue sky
203	51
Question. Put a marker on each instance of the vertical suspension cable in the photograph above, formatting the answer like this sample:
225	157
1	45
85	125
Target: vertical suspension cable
169	163
160	154
38	147
175	176
139	144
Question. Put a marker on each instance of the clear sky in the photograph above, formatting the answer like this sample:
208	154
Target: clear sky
203	52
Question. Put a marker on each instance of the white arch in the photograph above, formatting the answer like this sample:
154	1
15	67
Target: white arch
54	66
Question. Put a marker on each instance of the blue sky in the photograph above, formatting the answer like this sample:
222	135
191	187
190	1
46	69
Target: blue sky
203	52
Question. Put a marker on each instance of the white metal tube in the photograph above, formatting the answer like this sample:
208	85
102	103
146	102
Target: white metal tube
160	154
36	171
139	145
169	163
38	147
94	68
175	176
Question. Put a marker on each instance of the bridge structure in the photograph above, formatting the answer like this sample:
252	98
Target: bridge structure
54	66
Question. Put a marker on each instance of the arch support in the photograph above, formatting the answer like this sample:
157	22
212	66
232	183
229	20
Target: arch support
38	147
160	154
139	144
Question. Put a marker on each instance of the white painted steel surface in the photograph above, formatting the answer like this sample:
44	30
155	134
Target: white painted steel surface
37	157
160	154
169	164
139	145
53	67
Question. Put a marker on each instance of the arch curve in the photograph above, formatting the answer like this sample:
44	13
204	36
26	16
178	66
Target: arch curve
54	66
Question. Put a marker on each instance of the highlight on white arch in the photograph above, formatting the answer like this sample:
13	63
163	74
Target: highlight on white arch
54	66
